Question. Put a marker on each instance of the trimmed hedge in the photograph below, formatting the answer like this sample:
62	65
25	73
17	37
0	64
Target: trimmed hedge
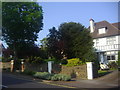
74	62
43	75
61	77
54	77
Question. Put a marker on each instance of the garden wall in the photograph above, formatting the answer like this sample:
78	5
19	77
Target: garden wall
36	67
6	65
75	71
56	68
79	72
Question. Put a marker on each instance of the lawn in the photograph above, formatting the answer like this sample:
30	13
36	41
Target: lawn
103	72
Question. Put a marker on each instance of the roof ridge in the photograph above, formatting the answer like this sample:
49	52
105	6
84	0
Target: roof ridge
114	27
101	21
115	22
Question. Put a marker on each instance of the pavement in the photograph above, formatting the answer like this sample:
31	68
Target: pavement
108	81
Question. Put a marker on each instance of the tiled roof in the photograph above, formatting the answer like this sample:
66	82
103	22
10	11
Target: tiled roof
111	29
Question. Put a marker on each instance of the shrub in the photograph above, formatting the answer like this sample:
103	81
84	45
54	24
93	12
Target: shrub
61	77
17	64
35	60
43	75
4	59
54	77
113	65
28	72
74	62
50	59
64	62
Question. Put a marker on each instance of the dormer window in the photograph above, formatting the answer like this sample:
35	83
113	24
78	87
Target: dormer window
102	30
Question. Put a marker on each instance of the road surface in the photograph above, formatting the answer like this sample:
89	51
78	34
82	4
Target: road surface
9	81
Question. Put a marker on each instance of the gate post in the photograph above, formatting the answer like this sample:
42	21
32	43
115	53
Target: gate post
12	65
22	65
50	66
90	70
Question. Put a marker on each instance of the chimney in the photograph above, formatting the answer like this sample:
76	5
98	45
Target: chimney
91	26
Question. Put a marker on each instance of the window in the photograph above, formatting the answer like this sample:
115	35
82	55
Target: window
111	40
97	42
112	57
108	57
102	30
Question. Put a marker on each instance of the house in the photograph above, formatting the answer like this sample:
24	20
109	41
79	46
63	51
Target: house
106	38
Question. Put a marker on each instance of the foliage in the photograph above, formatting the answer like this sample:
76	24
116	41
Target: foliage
43	75
52	59
102	73
60	77
28	72
74	62
21	23
52	44
43	48
4	59
72	40
44	42
64	62
118	59
35	60
17	64
113	65
54	77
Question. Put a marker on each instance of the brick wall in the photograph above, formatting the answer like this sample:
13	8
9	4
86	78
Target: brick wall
75	71
6	65
36	67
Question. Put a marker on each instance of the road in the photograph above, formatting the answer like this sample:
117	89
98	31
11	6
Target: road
14	82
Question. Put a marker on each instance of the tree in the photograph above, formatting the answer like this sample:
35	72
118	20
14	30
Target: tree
52	45
75	40
21	23
43	48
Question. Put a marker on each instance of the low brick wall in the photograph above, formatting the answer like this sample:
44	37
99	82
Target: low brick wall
76	71
6	65
56	68
36	67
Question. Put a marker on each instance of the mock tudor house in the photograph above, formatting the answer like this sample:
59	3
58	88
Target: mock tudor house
106	38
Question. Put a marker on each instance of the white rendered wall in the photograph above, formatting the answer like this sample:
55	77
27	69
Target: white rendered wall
103	46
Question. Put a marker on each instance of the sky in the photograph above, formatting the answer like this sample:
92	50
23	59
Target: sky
55	13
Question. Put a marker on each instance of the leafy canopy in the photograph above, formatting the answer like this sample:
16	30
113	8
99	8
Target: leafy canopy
72	40
21	22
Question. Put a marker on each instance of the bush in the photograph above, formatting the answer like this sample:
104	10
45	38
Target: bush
43	75
51	59
6	59
54	77
35	60
17	64
28	72
61	77
74	62
113	65
64	62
